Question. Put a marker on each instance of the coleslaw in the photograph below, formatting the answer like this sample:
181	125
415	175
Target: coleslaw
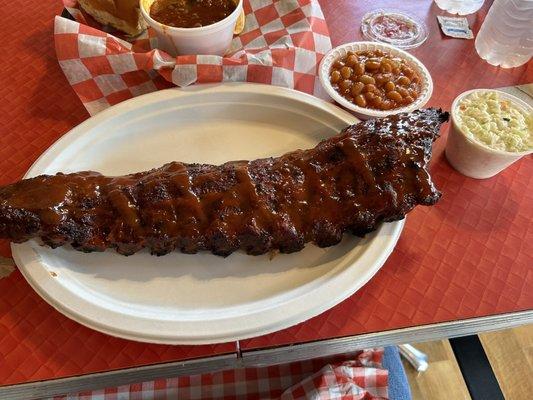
495	122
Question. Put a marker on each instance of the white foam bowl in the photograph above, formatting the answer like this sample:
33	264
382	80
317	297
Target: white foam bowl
366	113
214	39
472	158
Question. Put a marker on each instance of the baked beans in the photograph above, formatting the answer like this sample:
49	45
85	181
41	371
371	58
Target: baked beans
375	79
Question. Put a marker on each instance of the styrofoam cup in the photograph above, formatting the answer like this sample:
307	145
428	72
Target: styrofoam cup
212	39
472	158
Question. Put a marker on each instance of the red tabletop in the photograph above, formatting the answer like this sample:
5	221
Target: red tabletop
469	256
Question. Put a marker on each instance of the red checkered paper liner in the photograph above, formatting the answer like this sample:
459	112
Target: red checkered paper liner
282	44
361	377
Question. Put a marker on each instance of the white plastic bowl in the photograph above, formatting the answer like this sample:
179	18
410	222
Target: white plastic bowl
472	158
214	39
365	113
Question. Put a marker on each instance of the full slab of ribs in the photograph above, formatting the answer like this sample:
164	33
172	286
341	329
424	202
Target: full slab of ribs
371	172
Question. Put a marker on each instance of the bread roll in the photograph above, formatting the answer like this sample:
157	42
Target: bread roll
124	15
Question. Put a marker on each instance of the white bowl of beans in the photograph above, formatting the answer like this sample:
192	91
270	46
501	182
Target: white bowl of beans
375	79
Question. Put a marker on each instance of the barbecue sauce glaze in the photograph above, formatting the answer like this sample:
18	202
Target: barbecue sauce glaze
371	172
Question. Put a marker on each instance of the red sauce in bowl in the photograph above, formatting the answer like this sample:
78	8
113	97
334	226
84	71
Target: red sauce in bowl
191	13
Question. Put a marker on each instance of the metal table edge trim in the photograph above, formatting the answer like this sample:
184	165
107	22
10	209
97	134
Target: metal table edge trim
265	357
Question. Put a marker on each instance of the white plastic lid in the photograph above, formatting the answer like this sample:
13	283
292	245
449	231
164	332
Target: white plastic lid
394	27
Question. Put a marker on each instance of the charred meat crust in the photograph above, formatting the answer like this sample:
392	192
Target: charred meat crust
371	172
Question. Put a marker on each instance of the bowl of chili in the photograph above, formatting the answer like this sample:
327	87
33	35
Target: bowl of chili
192	26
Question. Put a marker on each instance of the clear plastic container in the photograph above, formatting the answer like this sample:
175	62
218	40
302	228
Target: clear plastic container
214	39
461	7
506	36
394	27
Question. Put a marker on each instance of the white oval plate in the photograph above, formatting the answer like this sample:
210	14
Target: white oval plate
202	298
